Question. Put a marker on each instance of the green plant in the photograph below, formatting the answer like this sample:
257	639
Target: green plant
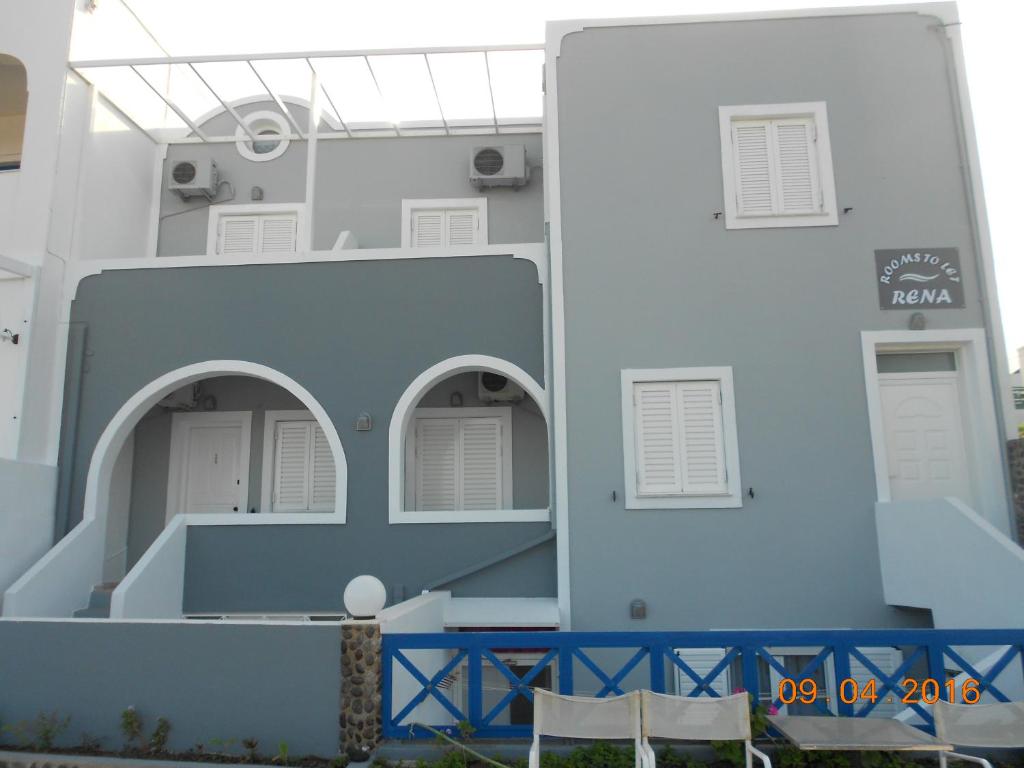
339	761
46	729
466	730
885	760
131	727
282	753
731	752
790	757
250	746
158	741
223	746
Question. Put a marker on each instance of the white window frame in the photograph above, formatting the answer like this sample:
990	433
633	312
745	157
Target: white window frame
411	206
501	412
733	497
826	178
256	121
217	212
270	422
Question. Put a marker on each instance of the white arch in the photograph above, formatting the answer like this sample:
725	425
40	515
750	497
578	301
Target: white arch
97	487
400	424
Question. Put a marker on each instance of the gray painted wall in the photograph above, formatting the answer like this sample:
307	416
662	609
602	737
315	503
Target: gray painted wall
360	186
355	334
652	279
212	681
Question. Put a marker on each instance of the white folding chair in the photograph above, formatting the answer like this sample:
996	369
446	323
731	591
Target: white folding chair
686	718
978	725
580	717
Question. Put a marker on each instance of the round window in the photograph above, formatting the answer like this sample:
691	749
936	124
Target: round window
269	128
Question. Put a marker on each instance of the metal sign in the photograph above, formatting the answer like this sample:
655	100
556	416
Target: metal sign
917	278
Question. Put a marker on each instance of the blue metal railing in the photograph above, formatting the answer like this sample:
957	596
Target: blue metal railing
609	663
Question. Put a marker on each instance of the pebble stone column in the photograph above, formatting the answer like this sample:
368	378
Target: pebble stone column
1016	450
360	721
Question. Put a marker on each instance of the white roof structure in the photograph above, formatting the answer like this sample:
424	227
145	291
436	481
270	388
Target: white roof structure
400	92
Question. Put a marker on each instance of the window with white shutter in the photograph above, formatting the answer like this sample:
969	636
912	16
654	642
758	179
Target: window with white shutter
460	459
247	230
304	474
444	223
679	432
777	166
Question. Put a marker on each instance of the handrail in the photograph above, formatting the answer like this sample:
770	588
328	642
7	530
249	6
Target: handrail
613	662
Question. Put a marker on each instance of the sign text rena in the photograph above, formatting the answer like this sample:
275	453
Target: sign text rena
914	278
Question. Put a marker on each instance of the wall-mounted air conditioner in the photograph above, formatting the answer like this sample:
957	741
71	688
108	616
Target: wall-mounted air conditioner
495	388
498	166
194	178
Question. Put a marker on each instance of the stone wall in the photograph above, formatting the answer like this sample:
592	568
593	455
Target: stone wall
360	720
1016	452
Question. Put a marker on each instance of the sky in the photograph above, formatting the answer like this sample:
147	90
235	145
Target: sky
990	29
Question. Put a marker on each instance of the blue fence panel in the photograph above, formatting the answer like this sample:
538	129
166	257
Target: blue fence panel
581	663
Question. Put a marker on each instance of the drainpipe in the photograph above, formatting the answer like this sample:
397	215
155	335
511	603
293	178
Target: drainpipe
69	427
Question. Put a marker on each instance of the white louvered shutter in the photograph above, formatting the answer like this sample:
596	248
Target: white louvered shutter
656	420
751	141
291	466
700	425
888	661
480	464
437	449
277	233
797	189
462	226
322	481
238	234
702	661
428	229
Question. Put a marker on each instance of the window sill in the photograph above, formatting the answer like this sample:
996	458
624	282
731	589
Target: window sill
775	222
472	516
726	501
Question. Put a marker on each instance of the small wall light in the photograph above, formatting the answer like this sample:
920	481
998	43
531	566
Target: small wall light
256	193
456	400
364	422
638	609
917	322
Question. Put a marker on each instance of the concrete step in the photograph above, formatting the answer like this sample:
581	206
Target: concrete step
99	602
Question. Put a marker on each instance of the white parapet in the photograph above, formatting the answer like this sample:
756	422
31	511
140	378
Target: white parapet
155	587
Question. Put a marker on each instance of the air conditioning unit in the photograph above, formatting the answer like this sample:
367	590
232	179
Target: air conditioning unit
194	178
499	166
495	388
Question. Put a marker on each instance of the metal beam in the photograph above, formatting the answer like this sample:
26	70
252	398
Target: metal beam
170	103
302	55
337	112
437	98
234	113
490	91
369	66
277	99
110	103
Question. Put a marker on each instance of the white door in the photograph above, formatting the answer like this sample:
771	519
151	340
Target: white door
924	436
209	463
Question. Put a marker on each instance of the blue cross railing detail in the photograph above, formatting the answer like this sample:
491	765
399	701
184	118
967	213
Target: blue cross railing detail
451	690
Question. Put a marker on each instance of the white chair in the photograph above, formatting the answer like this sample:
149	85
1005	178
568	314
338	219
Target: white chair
978	725
579	717
686	718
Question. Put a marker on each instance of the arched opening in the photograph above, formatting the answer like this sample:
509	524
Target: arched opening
13	106
225	442
468	442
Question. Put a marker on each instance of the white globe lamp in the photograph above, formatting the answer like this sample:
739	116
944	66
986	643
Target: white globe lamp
365	597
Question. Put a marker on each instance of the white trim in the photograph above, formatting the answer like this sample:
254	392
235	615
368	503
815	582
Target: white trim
399	428
176	475
983	441
502	412
733	498
270	421
219	211
109	444
153	236
817	111
410	205
242	140
312	121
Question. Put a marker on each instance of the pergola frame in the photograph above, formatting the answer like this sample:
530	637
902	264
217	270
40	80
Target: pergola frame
446	127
